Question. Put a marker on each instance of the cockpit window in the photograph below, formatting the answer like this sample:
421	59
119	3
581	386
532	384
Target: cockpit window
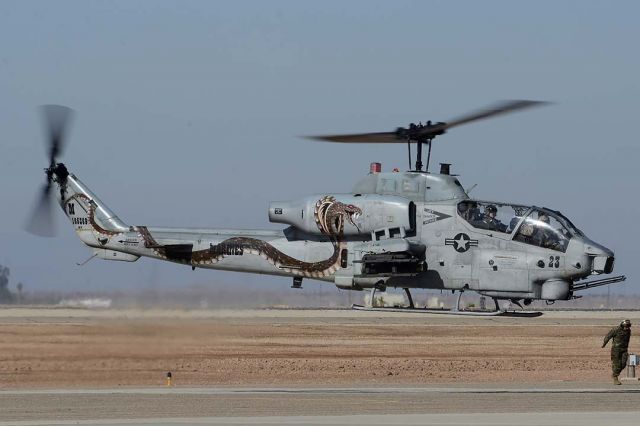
567	223
543	229
492	216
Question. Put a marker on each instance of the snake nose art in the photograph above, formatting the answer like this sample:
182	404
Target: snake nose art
348	215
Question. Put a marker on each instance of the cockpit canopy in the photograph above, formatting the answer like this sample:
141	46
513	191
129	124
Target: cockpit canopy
531	225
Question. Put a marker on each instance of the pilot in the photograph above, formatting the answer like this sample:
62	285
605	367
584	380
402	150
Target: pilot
513	223
526	232
469	211
489	220
545	236
619	348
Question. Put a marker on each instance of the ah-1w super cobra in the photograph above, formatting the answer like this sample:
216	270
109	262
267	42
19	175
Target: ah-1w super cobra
411	230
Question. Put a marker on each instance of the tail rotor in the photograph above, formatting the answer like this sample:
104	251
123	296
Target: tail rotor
56	119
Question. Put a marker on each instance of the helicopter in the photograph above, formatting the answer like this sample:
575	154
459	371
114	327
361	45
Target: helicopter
407	230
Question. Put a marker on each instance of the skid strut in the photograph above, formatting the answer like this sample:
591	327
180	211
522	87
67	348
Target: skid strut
411	305
372	297
457	307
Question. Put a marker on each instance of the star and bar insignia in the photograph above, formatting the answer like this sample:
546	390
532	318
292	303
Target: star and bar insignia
461	242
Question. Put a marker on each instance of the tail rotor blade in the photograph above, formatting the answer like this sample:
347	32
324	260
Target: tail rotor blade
57	119
41	220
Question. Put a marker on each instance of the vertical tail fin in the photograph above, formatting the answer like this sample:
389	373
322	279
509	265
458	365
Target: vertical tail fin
92	220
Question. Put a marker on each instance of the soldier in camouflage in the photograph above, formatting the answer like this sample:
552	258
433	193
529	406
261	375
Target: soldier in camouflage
619	348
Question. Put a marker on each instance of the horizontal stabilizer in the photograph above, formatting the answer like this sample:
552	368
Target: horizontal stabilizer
115	255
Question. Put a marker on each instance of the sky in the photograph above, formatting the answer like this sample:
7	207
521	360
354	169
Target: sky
190	114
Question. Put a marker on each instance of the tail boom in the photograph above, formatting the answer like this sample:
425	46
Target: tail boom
254	251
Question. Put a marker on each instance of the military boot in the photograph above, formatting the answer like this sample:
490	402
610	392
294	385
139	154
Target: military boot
616	381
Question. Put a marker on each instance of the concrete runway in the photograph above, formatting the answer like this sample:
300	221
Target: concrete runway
556	404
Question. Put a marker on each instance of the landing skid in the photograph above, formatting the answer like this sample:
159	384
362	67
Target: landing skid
516	314
456	311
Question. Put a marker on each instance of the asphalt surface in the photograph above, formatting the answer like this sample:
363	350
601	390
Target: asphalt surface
481	419
561	404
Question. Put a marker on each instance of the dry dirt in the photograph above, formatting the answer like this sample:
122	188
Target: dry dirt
77	348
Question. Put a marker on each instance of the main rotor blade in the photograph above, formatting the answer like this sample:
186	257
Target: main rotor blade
384	137
57	118
41	220
433	130
499	108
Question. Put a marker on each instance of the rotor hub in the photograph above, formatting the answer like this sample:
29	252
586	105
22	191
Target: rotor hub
421	132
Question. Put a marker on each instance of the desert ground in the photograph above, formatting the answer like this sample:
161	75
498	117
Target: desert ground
104	348
288	366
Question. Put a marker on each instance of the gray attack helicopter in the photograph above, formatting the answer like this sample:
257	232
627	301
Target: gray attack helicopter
411	230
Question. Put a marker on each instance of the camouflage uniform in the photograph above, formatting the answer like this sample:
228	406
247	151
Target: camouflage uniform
619	349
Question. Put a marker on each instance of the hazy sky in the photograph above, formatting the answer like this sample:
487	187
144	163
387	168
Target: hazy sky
188	113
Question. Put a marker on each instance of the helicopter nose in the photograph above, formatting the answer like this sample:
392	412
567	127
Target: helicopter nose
602	258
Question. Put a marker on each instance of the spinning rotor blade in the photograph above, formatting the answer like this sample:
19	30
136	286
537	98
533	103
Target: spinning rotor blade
41	220
57	118
430	131
493	110
56	121
384	137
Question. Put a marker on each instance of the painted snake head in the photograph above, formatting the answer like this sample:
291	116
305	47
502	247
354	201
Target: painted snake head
330	215
352	212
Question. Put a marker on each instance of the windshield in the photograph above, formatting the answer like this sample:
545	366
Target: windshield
544	228
536	226
565	221
492	216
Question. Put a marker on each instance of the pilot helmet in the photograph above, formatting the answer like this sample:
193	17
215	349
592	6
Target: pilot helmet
527	229
543	217
491	209
626	323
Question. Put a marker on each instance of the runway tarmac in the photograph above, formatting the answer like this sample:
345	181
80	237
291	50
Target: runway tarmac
308	367
479	419
555	404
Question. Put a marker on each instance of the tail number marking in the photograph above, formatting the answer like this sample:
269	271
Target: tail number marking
71	208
